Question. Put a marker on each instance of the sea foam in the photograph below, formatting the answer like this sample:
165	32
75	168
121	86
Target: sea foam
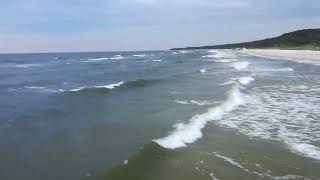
140	55
186	133
117	57
240	65
242	80
109	86
98	59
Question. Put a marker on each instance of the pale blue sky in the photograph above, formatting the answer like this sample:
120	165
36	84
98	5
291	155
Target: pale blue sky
111	25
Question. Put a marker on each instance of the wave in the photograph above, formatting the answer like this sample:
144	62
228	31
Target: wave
199	103
139	55
109	86
186	133
182	52
157	60
28	65
242	80
225	60
245	80
304	149
117	57
181	102
99	59
240	65
203	71
283	114
279	69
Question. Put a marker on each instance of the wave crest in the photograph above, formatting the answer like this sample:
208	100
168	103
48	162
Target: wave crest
186	133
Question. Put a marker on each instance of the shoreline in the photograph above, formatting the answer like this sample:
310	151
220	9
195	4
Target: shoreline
293	55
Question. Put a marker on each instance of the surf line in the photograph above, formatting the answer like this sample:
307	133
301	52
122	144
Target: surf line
186	133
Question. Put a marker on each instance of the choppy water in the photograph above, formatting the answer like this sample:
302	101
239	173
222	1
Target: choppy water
158	115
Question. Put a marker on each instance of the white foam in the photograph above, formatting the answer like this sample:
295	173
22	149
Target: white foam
307	150
35	87
117	57
184	52
78	89
240	65
225	60
284	113
203	71
213	177
186	133
181	102
245	80
28	65
230	161
281	69
98	59
110	86
125	162
242	80
200	103
140	55
157	60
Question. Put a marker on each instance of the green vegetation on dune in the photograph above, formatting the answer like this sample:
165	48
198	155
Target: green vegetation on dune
308	39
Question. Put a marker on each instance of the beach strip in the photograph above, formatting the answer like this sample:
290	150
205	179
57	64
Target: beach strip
295	55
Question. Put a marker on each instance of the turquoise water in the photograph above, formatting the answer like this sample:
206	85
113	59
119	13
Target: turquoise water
158	115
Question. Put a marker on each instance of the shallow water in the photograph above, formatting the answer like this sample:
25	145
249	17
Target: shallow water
158	115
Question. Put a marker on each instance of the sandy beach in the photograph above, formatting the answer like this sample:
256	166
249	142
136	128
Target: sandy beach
296	55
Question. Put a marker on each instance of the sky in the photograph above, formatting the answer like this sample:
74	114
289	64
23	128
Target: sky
124	25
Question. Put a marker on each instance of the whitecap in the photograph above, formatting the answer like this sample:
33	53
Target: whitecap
240	65
203	71
306	150
98	59
78	89
242	80
140	55
225	60
200	103
117	57
28	65
186	133
195	102
282	114
110	86
245	80
181	102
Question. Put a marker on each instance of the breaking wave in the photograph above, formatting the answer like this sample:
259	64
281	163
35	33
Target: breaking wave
195	102
98	59
243	80
108	87
140	55
240	65
293	117
186	133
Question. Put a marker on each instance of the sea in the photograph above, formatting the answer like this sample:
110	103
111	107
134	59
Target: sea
158	115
